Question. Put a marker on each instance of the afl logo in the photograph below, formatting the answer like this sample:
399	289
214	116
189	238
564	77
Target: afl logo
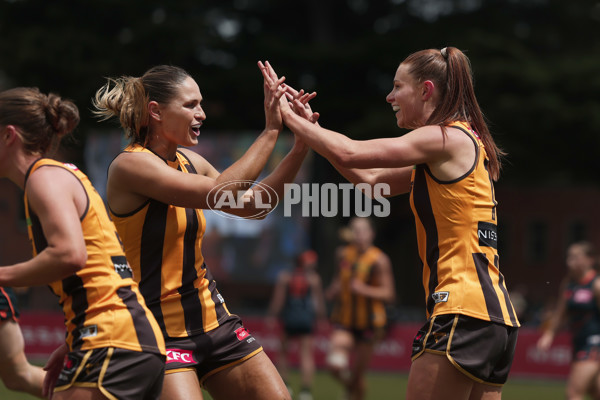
440	297
234	195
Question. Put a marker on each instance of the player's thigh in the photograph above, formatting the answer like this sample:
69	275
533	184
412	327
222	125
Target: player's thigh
12	355
481	391
306	344
11	339
433	377
79	393
582	376
182	385
253	379
341	339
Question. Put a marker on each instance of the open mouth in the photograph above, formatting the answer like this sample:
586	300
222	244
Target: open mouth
196	130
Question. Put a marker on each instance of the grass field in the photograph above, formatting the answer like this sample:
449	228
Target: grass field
384	386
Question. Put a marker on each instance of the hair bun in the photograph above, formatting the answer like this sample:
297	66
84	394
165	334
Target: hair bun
62	115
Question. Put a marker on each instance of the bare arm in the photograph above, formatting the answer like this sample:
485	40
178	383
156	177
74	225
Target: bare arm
449	154
555	322
383	287
58	199
278	298
135	177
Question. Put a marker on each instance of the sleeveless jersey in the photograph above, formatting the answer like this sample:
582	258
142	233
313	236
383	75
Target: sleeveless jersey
457	240
101	302
354	311
582	308
299	307
163	246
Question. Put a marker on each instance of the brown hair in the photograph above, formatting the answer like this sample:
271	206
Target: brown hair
42	119
450	70
127	98
588	248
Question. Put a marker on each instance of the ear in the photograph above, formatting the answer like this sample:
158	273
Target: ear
10	134
428	90
154	110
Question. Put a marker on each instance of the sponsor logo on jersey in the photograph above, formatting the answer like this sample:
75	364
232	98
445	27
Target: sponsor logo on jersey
487	234
122	266
440	297
180	356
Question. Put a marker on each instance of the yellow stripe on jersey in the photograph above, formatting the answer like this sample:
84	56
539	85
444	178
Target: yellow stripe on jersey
457	239
163	246
351	310
101	302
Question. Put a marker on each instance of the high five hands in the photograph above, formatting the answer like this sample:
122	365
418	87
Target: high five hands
294	101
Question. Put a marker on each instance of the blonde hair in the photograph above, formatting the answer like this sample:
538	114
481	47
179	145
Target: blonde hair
127	98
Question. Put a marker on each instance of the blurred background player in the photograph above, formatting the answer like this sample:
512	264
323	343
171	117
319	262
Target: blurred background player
15	371
361	288
298	302
579	306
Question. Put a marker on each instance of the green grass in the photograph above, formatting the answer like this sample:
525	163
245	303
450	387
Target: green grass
388	386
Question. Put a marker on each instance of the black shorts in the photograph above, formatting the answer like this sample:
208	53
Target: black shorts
213	351
480	349
119	374
587	348
8	305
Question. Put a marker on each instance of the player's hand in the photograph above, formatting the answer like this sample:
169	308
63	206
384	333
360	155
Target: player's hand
299	101
274	90
358	287
53	367
545	342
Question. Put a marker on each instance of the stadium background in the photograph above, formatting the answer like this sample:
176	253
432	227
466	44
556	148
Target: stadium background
536	66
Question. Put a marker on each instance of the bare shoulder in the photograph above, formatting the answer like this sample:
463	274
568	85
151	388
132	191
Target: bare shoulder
383	261
50	177
128	165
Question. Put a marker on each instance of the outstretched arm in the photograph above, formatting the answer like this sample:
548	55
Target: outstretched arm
135	177
398	179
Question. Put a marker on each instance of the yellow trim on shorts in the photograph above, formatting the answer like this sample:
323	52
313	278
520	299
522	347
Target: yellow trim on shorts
241	360
173	371
103	372
424	340
72	383
458	367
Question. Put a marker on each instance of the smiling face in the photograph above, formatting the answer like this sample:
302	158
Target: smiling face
180	120
407	100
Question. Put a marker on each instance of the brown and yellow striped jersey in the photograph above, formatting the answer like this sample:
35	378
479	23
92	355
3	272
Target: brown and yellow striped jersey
163	246
354	311
457	238
101	302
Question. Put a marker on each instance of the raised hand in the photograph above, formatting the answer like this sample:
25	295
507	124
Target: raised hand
274	91
299	103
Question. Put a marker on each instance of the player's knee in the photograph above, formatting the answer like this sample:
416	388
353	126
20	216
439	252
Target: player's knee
337	360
